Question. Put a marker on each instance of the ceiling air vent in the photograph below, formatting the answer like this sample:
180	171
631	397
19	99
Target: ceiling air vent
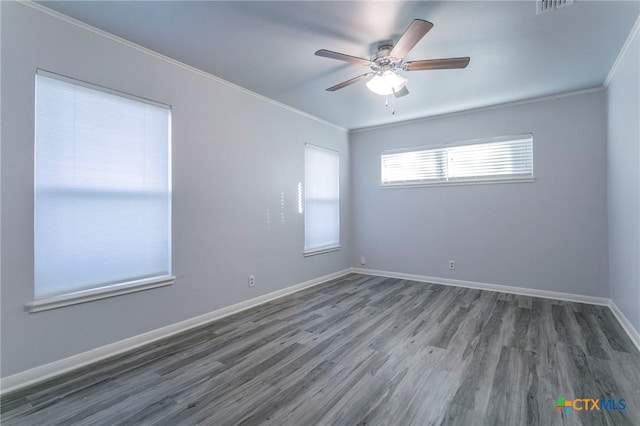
544	6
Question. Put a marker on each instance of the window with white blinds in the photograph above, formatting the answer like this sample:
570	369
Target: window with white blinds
102	191
321	200
508	158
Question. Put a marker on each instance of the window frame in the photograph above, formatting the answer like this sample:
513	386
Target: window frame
106	289
327	248
448	181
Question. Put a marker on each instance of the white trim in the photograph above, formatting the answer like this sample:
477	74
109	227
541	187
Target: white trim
479	109
56	368
622	53
87	27
546	294
89	295
91	86
626	324
322	148
445	180
321	250
526	179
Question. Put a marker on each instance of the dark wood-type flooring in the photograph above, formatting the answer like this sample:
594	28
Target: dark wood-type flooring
361	350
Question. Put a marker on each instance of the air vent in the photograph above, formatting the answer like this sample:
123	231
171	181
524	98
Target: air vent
544	6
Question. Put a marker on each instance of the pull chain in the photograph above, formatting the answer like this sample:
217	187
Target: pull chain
393	104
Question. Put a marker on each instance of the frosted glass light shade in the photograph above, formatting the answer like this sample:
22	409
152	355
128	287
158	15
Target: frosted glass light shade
386	83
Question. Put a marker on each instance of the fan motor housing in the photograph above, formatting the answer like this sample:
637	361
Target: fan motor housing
381	59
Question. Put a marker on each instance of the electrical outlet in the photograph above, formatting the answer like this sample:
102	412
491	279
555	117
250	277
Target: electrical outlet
452	264
252	280
363	261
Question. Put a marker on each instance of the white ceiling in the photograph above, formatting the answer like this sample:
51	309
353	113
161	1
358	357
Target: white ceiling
268	47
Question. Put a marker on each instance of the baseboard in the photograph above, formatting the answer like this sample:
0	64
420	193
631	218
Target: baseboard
546	294
626	324
56	368
65	365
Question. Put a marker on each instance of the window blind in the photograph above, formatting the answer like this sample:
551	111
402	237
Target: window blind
322	199
505	158
102	188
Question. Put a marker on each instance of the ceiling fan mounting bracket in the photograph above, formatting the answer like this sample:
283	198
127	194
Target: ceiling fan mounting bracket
384	47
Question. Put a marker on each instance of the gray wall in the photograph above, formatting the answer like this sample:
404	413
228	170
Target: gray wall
233	156
550	234
623	173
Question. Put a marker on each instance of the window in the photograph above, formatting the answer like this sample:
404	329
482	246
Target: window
508	158
321	200
102	193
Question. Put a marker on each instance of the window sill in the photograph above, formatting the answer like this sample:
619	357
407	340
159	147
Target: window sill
83	296
458	182
321	250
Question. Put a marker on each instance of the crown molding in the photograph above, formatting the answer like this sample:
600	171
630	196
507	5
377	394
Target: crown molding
623	52
43	9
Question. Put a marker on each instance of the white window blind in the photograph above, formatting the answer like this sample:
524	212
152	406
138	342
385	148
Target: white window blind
102	188
498	159
321	199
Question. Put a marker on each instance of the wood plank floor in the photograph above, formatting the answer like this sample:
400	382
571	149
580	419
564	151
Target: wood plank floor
361	350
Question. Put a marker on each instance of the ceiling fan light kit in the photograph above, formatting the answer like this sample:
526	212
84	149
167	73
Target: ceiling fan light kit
386	83
384	78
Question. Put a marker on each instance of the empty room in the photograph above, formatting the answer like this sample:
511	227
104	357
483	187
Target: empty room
320	213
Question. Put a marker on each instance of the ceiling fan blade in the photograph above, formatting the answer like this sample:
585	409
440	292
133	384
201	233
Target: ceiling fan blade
402	92
342	57
412	35
436	64
348	82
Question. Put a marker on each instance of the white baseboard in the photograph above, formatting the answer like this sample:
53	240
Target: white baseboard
65	365
56	368
546	294
626	324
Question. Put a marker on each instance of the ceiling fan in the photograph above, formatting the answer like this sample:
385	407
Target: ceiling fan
383	77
